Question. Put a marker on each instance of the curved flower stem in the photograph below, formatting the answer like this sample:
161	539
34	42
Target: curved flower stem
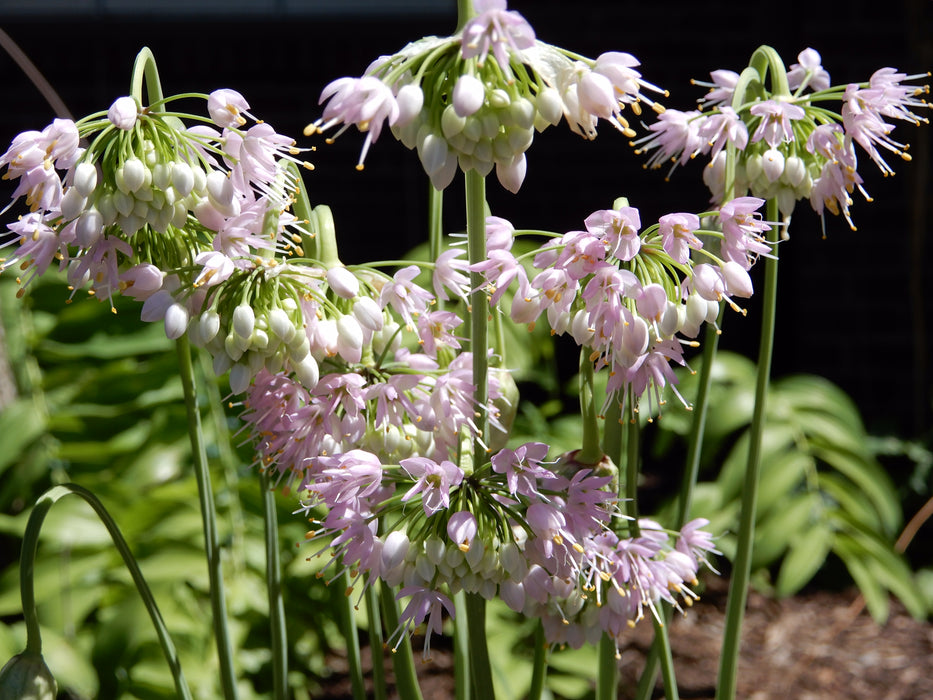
274	586
27	564
347	614
144	68
481	670
539	668
461	649
406	679
741	570
208	520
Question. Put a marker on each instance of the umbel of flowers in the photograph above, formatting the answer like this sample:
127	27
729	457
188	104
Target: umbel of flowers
474	100
790	143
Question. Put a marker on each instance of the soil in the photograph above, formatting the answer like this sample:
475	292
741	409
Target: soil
815	646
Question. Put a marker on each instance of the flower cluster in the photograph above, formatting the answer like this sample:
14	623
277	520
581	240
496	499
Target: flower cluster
789	144
474	100
520	529
151	208
629	295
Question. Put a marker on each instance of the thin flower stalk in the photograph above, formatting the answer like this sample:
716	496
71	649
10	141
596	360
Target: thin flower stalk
741	569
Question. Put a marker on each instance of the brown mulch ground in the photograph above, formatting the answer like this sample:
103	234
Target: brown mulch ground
815	646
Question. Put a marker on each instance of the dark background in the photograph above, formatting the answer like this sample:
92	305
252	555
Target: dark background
853	307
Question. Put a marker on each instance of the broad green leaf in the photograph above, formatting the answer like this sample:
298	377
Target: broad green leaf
892	571
21	422
811	393
854	557
807	553
850	499
869	477
780	475
777	439
789	519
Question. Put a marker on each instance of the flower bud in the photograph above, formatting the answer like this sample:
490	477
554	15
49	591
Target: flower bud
85	178
343	282
244	320
737	280
88	228
367	312
281	325
410	100
772	164
239	378
176	321
469	95
451	122
208	325
123	112
26	677
221	193
182	178
549	106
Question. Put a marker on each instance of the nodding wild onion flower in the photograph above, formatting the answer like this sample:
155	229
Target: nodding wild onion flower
792	145
474	100
195	203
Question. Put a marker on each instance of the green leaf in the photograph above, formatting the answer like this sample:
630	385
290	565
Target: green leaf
781	474
806	555
853	556
21	423
791	518
869	477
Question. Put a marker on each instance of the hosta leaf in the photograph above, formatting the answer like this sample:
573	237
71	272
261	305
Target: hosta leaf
789	519
805	556
854	557
868	476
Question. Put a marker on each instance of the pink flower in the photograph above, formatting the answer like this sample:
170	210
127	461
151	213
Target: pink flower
461	528
495	29
433	481
424	603
808	72
742	228
618	229
448	274
434	329
522	467
366	102
721	90
776	117
403	295
226	108
677	235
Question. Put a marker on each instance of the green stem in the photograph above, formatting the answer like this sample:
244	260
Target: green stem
274	586
465	12
347	613
741	570
461	649
435	222
27	565
607	676
591	451
539	668
144	68
667	659
481	670
406	679
208	520
631	464
479	315
698	427
376	643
